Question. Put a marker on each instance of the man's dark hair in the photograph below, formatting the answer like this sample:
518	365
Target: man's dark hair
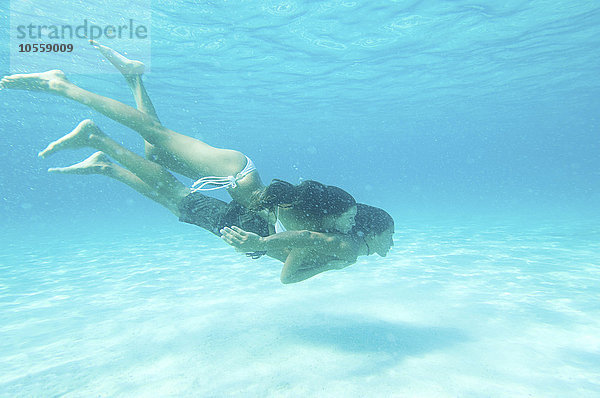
371	220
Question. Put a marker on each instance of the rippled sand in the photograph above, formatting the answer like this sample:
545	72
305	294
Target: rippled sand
470	311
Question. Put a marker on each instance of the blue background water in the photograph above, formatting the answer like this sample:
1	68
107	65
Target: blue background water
474	123
418	107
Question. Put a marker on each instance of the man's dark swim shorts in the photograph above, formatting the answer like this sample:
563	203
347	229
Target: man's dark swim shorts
213	214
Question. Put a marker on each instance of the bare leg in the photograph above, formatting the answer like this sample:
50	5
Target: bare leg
87	134
132	72
199	159
99	163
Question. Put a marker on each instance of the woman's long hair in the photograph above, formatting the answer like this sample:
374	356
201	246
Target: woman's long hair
309	198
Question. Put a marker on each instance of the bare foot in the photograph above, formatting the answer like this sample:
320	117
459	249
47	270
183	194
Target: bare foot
53	80
98	163
125	65
78	138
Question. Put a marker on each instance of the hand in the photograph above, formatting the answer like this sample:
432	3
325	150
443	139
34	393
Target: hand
243	241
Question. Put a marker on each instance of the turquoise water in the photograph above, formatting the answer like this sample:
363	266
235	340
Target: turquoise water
474	124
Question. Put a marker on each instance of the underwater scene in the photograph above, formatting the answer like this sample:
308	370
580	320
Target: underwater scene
285	198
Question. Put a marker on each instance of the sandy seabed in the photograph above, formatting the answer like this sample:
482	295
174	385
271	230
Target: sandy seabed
453	311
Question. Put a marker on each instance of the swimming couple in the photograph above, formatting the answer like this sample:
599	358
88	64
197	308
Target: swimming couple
310	227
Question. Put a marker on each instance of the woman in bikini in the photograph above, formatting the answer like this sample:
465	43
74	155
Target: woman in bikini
309	206
211	167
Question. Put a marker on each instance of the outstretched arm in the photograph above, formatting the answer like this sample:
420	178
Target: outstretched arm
304	253
338	246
